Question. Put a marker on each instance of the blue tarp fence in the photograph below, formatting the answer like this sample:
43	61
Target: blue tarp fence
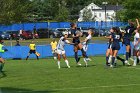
53	25
45	51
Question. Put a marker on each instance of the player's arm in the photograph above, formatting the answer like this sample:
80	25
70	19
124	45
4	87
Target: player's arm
108	37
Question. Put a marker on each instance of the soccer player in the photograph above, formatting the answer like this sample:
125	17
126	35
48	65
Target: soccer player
136	50
53	46
109	50
61	51
2	50
136	47
32	47
86	42
126	40
77	45
116	37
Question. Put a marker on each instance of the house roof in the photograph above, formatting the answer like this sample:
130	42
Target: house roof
110	7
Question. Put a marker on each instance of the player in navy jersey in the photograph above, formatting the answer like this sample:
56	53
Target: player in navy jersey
77	45
109	50
115	38
126	40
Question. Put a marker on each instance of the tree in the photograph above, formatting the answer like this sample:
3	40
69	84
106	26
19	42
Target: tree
14	11
87	15
131	10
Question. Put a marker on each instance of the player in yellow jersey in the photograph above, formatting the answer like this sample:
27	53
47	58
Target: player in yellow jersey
32	47
53	46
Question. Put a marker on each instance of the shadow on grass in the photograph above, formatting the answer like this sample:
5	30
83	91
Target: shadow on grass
16	90
2	74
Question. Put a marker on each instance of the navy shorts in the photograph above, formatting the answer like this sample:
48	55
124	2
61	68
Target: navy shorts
126	42
109	46
32	51
115	46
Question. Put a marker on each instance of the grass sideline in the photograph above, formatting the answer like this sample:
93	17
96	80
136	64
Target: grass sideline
43	76
45	41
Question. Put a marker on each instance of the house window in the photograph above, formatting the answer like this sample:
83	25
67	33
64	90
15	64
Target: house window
107	14
100	14
95	14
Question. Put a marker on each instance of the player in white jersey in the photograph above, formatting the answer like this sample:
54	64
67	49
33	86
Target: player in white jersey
61	51
136	47
86	42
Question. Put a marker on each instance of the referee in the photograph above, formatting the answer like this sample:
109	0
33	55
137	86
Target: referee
32	47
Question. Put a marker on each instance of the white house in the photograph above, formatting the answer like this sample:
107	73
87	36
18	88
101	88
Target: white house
98	12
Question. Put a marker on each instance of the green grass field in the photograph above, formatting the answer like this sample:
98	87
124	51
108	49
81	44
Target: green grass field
43	76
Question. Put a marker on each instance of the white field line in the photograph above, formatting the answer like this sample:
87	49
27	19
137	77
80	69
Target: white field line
92	87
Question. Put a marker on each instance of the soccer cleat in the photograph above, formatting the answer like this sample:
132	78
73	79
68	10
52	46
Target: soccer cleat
111	66
131	59
86	65
134	64
88	59
79	64
68	66
126	62
59	67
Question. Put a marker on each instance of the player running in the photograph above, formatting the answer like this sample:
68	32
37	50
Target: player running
53	46
126	40
86	42
32	47
116	37
61	51
77	45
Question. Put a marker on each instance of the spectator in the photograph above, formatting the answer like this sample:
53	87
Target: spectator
17	43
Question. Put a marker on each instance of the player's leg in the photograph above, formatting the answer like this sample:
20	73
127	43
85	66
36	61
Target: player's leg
36	53
28	54
107	57
127	54
85	47
82	50
138	55
76	54
135	52
59	52
1	64
115	52
64	57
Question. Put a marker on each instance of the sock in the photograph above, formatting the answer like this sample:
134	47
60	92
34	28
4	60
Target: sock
85	61
139	57
67	63
113	60
58	64
0	67
84	53
27	57
37	57
110	58
127	55
130	53
107	58
76	57
119	58
135	60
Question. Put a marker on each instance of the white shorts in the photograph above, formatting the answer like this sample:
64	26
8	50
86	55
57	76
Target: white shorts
61	52
85	47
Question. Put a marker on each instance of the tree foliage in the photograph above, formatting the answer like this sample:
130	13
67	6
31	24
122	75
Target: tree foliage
16	11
